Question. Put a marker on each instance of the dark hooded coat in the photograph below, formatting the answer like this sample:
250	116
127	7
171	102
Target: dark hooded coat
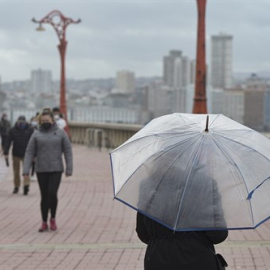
19	138
168	250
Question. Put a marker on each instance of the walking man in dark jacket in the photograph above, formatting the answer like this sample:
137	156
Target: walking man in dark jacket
19	135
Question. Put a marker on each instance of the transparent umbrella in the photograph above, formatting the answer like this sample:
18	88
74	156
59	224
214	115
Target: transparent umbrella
195	172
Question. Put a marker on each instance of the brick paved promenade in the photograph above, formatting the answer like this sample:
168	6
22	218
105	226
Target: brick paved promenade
95	232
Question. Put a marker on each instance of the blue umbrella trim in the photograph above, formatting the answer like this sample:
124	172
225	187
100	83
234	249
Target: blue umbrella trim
251	193
192	229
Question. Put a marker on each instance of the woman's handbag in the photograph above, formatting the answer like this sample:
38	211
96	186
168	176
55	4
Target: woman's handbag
220	261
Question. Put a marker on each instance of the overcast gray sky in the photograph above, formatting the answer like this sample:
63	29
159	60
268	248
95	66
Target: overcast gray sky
133	35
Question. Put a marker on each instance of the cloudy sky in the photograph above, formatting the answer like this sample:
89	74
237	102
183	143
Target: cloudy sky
130	34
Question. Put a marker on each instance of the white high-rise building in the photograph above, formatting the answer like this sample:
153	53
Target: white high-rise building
192	71
221	61
176	76
229	103
176	70
125	81
159	99
41	81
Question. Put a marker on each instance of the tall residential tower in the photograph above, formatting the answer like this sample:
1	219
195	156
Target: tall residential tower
41	81
125	81
221	61
176	70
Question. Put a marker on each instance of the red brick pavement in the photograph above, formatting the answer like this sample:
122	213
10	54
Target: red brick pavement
95	232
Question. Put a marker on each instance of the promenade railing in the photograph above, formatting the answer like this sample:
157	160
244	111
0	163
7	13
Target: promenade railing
101	135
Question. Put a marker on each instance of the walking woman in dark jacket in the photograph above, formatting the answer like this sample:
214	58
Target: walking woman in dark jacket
48	144
169	250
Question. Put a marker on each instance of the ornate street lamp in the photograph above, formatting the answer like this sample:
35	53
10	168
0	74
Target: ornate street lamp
59	22
199	105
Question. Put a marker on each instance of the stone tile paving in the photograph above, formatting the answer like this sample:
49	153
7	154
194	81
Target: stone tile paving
95	232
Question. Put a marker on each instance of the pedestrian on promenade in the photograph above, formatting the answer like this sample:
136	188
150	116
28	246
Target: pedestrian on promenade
167	249
34	124
4	129
18	136
48	144
190	249
58	118
34	121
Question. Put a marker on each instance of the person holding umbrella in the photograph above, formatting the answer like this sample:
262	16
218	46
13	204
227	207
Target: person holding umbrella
192	178
48	144
18	136
169	249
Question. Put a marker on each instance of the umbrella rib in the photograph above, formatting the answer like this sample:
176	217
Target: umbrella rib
228	157
153	122
176	145
185	120
152	142
210	124
218	129
226	138
166	150
225	124
177	133
188	178
251	192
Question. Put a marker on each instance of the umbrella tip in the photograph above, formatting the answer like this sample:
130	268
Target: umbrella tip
207	121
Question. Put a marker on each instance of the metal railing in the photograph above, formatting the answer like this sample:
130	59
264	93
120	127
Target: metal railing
101	135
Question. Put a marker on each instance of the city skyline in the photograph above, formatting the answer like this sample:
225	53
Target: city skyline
130	35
